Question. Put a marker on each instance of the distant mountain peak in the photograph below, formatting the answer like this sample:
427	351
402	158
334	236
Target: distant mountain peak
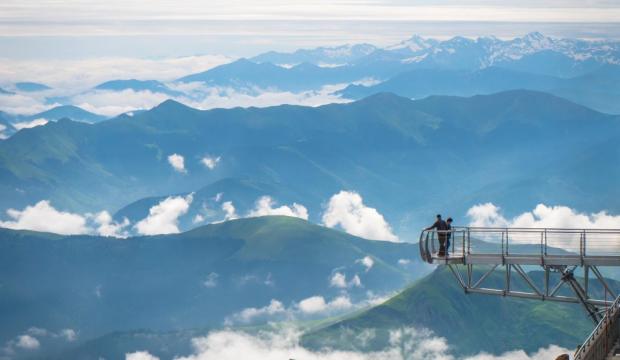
414	44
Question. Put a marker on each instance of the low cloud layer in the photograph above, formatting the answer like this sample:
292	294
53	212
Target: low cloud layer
29	124
33	339
347	210
266	206
44	217
163	218
284	343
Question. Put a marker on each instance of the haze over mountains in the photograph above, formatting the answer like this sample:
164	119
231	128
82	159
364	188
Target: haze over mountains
138	214
314	74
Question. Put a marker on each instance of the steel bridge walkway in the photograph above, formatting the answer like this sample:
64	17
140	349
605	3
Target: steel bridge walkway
475	253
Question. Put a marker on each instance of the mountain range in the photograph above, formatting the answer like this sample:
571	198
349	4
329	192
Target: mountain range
471	324
97	285
598	90
384	147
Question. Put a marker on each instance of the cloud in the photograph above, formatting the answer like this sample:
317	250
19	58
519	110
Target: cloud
27	342
30	124
77	75
339	280
284	343
44	217
211	280
107	227
229	210
248	315
140	355
3	136
404	262
367	261
265	206
163	218
198	219
542	216
347	210
177	162
112	103
23	103
317	304
210	162
69	334
550	352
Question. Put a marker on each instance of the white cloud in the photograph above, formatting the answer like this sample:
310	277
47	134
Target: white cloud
284	343
367	261
163	218
27	342
30	124
356	281
140	355
69	334
230	212
3	136
266	206
209	97
317	304
210	162
76	75
339	280
486	215
112	103
347	210
550	352
211	280
542	216
23	103
404	262
198	219
247	315
44	217
107	227
177	162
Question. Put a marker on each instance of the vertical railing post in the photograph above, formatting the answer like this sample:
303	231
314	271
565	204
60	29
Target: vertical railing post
583	253
545	235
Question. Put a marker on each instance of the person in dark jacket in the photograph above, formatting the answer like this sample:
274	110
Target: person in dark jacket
449	234
441	227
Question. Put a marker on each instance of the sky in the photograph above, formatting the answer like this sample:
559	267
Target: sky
166	28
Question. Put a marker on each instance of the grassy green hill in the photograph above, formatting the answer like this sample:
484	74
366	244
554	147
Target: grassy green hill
400	155
470	323
97	285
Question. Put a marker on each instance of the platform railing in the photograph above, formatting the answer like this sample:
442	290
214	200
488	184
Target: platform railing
572	243
601	341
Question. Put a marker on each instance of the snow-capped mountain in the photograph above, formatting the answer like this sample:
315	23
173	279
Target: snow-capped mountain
488	51
323	56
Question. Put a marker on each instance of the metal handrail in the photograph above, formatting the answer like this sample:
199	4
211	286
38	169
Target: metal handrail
580	242
607	329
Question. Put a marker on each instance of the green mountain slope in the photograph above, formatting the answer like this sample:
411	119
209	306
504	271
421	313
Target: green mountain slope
470	323
96	285
401	155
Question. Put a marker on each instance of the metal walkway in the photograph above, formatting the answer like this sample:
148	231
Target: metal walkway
559	253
